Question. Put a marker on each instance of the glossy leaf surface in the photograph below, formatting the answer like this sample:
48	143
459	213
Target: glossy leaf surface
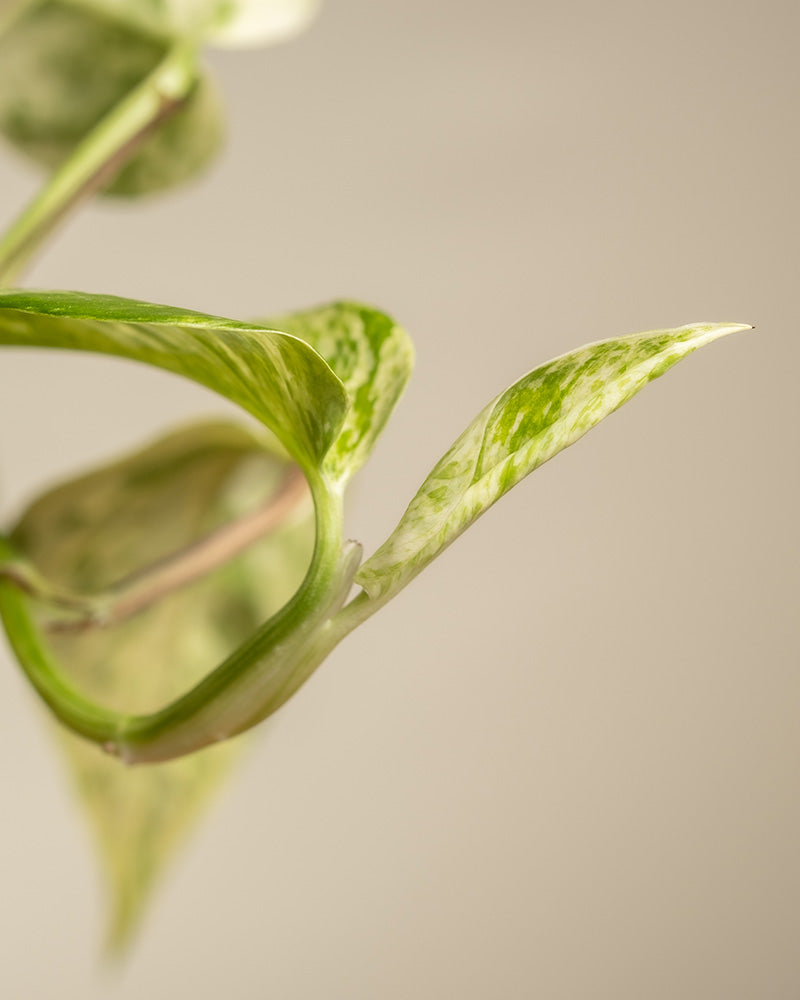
372	356
63	68
544	412
277	378
99	529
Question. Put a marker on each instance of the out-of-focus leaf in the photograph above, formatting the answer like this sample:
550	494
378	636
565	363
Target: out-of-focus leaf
88	534
373	358
229	23
63	68
541	414
277	378
262	22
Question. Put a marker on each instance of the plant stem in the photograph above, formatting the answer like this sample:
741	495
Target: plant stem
140	591
263	673
99	157
254	681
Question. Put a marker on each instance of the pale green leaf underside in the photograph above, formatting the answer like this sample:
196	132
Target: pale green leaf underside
541	414
88	534
63	69
372	356
277	378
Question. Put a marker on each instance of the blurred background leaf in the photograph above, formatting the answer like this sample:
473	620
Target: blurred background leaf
63	68
234	23
91	532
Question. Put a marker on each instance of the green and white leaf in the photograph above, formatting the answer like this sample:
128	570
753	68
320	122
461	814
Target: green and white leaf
228	23
373	358
64	68
92	532
277	378
544	412
262	22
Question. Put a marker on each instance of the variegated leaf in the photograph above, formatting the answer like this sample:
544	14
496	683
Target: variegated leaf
229	23
541	414
277	378
92	533
373	358
63	69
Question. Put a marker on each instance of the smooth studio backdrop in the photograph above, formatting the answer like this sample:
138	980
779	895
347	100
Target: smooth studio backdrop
563	764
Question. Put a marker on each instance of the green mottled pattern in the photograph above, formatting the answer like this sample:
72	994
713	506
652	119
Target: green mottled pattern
372	356
63	69
277	378
542	413
89	533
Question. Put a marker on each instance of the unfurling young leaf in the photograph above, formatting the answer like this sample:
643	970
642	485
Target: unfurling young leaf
64	68
538	416
112	524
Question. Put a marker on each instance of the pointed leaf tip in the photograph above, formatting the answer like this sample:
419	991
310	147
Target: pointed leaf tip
544	412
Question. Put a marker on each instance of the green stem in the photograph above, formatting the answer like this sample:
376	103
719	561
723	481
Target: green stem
327	636
356	613
258	678
99	157
249	685
136	593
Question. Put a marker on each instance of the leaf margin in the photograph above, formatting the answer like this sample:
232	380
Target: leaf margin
402	555
213	351
373	357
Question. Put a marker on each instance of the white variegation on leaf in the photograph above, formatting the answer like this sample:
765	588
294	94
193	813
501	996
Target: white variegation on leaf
327	417
538	416
372	356
227	23
327	426
276	377
262	22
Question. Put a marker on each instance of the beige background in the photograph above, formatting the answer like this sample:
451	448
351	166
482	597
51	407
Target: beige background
565	763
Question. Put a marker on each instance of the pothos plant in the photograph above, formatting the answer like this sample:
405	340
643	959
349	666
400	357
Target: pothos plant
179	596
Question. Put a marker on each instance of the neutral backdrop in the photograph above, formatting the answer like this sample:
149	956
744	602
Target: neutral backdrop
565	763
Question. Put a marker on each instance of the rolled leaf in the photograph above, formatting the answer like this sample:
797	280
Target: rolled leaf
372	356
544	412
100	529
63	69
277	378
